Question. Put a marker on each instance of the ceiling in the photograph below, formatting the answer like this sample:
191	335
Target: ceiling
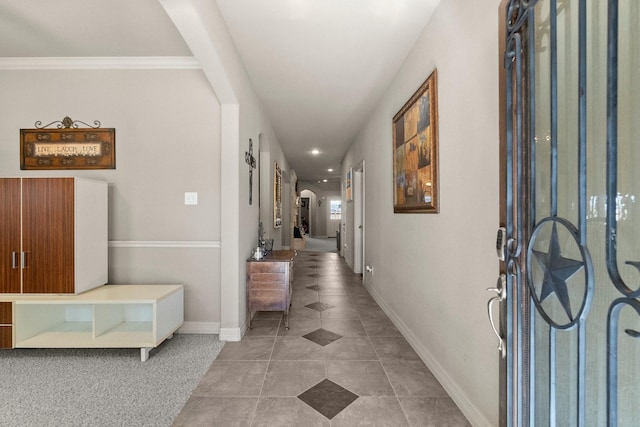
319	67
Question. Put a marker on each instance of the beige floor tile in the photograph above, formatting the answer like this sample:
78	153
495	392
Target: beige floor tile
217	411
233	378
371	411
380	328
264	327
292	377
340	313
250	348
345	327
412	378
364	378
394	348
296	348
433	412
287	411
351	348
299	327
297	313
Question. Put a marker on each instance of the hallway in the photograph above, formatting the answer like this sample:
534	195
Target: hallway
341	363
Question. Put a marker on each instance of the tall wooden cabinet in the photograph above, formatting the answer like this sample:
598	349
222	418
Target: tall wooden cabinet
53	235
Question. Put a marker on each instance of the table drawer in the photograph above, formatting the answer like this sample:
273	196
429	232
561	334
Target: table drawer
268	284
266	267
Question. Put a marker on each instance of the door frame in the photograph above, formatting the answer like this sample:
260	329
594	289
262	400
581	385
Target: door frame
514	406
359	219
502	108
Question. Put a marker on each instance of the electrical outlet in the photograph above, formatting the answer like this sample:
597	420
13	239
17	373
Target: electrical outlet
190	198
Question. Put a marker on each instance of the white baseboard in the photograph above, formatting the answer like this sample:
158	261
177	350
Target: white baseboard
200	328
473	414
230	334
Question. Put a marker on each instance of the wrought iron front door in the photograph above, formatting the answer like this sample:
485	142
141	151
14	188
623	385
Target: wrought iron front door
571	213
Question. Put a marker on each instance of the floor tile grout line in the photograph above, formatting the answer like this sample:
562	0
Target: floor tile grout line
255	410
395	393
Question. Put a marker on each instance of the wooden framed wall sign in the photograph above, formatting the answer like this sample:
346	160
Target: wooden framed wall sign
67	146
415	152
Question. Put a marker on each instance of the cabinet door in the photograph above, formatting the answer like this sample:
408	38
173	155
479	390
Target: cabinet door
48	235
10	235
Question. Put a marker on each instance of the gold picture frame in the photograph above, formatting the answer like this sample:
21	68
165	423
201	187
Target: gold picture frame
415	152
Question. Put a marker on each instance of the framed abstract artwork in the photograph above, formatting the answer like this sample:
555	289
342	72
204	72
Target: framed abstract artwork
348	191
415	152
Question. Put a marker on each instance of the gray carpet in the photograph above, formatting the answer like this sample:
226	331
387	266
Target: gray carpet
102	387
320	244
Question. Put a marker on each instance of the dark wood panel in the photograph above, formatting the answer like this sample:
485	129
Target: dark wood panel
6	316
48	235
9	235
6	339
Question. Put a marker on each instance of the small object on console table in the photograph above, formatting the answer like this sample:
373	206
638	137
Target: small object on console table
269	283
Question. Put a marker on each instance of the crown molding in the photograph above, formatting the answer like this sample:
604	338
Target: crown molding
101	63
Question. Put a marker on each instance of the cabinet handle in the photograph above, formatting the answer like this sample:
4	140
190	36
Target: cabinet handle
14	264
23	259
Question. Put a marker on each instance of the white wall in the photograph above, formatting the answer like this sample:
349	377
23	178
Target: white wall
176	131
442	263
242	119
167	142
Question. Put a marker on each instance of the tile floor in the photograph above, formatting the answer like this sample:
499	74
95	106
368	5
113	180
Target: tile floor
341	363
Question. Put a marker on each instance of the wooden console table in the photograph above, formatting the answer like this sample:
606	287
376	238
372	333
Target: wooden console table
269	283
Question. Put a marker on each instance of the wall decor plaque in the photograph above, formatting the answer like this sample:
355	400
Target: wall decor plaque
68	146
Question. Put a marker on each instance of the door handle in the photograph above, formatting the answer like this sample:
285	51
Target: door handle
23	259
501	291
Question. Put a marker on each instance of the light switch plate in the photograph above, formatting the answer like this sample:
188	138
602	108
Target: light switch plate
190	198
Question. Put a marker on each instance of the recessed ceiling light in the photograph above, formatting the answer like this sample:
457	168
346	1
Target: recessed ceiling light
315	151
324	180
329	170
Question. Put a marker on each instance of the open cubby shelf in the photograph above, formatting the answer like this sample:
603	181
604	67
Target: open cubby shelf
111	316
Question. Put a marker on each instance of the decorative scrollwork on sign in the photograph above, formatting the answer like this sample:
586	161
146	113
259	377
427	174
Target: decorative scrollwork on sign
67	123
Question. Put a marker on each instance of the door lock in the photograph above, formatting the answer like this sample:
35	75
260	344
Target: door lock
501	243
